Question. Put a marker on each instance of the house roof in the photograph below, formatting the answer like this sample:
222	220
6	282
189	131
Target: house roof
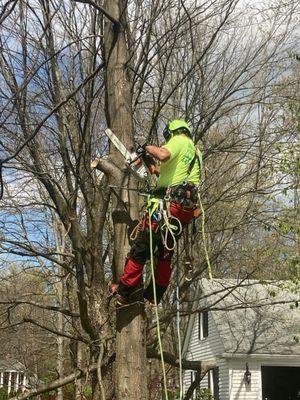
253	317
11	365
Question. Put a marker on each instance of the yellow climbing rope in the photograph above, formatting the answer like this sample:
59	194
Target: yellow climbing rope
151	211
153	205
209	270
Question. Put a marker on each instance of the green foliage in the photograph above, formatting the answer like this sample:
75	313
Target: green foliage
173	394
69	391
293	272
88	392
3	394
204	394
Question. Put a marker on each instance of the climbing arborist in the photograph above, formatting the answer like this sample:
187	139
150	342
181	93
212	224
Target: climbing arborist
174	198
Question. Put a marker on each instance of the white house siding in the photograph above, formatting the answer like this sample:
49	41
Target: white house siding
238	388
282	361
208	349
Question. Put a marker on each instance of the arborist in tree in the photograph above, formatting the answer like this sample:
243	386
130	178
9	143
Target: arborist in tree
172	206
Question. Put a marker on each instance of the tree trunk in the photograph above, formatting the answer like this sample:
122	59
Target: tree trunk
78	382
59	236
131	380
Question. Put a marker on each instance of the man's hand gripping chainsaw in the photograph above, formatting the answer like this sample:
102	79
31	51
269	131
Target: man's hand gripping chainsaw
140	163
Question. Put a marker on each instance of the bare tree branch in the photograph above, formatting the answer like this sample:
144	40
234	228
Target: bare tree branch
5	11
43	306
198	378
54	331
170	359
65	380
101	9
199	366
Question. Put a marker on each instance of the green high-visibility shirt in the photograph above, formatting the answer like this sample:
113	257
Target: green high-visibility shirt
174	171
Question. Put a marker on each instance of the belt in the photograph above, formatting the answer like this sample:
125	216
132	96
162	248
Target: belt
160	192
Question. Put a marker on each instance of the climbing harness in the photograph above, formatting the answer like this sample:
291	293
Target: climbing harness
184	194
169	226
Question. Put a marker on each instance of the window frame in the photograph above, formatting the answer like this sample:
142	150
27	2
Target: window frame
203	330
213	382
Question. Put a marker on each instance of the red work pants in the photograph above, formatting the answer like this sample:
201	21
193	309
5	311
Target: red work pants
140	253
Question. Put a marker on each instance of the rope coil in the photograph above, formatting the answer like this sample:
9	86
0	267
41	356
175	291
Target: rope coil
172	229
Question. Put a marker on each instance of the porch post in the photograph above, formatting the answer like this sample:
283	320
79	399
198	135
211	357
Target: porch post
24	383
9	382
17	382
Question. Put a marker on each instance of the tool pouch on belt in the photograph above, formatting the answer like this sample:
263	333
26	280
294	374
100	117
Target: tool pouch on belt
184	194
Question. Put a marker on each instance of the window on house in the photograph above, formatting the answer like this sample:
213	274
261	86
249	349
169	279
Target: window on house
192	377
203	325
197	391
21	379
5	380
13	378
213	382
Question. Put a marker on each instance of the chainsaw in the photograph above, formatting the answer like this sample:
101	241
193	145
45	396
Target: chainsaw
139	162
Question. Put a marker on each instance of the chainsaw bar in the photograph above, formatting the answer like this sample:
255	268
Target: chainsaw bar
134	161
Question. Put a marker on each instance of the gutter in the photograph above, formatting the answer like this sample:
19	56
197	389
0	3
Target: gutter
264	356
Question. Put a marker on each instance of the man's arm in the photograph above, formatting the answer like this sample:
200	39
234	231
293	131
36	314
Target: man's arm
160	153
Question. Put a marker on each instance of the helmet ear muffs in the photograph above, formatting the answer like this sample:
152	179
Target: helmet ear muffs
167	133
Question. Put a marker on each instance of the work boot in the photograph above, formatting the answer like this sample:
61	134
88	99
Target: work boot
149	295
113	288
121	300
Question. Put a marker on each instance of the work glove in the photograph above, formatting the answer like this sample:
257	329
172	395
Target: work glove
141	148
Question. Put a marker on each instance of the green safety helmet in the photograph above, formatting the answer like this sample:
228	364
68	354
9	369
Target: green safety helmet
176	126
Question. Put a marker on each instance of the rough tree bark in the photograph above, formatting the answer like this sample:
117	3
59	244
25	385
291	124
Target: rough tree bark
131	381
